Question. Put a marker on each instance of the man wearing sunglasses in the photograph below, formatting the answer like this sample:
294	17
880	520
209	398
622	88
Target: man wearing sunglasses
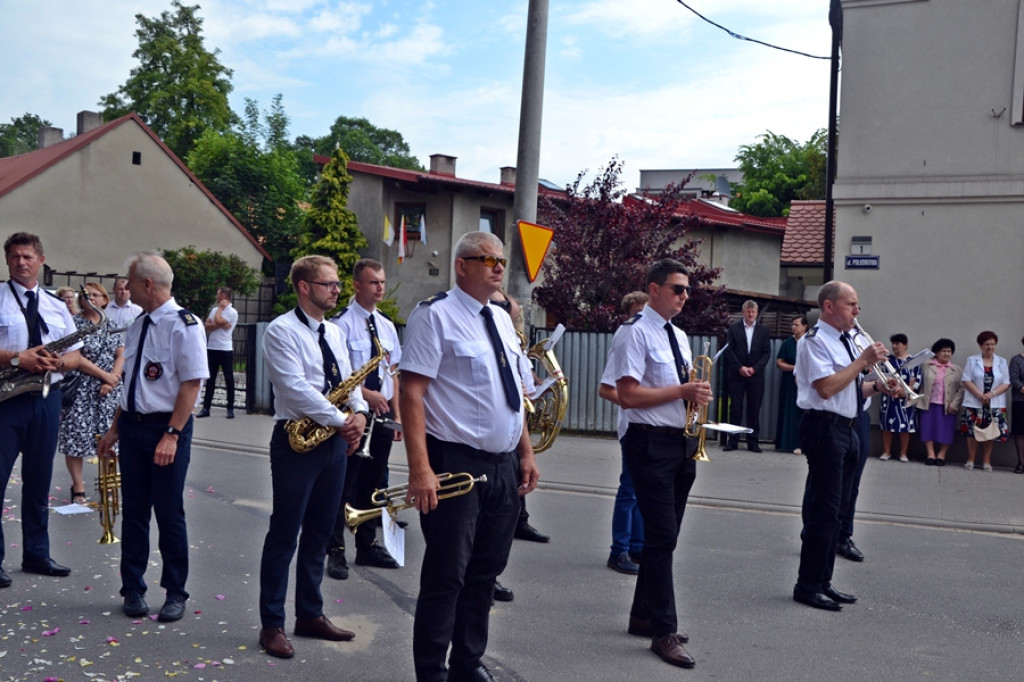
652	382
466	353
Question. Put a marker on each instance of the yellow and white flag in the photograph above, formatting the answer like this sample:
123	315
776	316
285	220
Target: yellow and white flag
389	235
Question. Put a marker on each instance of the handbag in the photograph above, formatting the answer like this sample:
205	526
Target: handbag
987	433
69	388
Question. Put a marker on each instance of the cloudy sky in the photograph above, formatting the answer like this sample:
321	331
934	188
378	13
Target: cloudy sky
642	79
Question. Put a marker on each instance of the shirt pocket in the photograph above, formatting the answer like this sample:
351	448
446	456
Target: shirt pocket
471	358
13	332
156	362
664	364
359	351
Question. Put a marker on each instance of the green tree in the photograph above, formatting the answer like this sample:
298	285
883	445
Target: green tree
366	143
179	88
778	170
255	174
198	275
21	135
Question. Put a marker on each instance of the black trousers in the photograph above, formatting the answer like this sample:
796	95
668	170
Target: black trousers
28	425
468	539
362	477
222	360
662	477
832	448
150	490
745	396
307	487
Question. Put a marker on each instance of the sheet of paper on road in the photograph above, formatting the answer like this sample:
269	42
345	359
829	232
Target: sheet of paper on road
69	509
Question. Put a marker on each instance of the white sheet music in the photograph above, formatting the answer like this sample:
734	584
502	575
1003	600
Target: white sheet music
555	337
394	537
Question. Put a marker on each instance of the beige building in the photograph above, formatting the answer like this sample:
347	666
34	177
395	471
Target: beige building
110	190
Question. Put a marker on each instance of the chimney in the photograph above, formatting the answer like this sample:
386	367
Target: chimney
442	164
88	120
49	136
508	175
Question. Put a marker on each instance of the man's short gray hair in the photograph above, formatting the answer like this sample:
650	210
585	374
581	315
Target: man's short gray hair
150	265
748	304
469	244
830	291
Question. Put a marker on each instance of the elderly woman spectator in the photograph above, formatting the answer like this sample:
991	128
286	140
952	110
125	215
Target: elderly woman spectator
787	436
98	392
896	415
941	394
986	380
67	294
1017	418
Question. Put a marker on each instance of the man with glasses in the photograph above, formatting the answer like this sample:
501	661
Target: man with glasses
305	359
651	381
361	324
462	409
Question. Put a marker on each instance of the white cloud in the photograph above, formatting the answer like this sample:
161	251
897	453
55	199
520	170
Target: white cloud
635	18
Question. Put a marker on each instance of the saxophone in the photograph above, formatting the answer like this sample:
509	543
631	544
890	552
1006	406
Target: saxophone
305	434
15	381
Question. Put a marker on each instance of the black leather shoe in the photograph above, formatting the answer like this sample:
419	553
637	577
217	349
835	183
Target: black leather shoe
173	609
817	600
729	447
337	566
479	674
839	597
528	532
5	580
753	447
502	593
635	557
848	550
203	413
45	566
376	556
670	649
231	413
135	605
623	564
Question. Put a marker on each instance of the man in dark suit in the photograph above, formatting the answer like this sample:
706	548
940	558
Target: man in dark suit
747	355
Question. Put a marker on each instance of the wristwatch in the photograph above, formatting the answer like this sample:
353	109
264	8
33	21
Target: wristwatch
15	361
173	431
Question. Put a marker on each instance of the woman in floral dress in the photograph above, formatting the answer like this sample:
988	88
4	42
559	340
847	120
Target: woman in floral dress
986	380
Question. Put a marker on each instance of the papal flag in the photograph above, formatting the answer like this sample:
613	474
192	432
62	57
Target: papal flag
401	242
389	235
423	229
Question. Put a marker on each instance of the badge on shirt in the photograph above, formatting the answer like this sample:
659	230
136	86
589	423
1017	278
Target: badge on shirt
153	371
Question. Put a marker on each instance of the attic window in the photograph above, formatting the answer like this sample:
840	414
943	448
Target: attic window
136	158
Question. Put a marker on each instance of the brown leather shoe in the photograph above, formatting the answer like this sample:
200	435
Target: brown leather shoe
275	642
642	628
670	649
321	628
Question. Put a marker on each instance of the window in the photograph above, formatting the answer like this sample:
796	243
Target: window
493	220
414	215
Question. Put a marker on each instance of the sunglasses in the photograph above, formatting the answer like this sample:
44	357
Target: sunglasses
679	289
489	261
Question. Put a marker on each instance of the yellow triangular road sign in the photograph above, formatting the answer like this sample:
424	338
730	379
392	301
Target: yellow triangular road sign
536	239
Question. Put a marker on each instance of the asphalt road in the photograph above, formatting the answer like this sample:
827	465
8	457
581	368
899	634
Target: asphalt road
936	603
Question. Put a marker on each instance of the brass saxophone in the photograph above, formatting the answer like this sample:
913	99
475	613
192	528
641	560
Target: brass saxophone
15	381
305	434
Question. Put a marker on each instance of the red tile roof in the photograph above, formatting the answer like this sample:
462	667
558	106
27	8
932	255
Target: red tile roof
805	234
721	216
17	170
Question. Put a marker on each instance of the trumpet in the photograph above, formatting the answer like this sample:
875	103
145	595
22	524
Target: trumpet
393	499
108	486
883	370
697	415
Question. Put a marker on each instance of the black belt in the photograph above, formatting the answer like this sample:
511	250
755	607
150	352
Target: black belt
832	418
665	430
468	451
149	417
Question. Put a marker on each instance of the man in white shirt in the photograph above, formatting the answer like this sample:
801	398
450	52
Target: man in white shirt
121	311
220	350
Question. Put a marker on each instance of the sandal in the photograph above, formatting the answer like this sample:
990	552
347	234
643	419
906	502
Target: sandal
79	497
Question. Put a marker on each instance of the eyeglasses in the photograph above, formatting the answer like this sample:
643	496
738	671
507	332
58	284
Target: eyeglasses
489	261
679	289
330	286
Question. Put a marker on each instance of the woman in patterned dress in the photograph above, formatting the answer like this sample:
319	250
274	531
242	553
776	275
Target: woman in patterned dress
98	391
986	380
895	414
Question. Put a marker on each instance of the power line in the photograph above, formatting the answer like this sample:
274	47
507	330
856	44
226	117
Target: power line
752	40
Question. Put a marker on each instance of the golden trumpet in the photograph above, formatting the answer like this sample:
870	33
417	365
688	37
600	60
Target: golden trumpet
697	415
108	486
393	499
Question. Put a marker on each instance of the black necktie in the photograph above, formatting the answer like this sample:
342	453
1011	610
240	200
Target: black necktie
512	390
332	376
35	336
677	355
146	321
848	344
373	381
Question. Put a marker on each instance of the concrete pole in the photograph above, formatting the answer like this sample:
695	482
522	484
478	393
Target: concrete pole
524	206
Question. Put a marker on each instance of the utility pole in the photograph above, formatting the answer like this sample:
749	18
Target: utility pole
835	18
531	109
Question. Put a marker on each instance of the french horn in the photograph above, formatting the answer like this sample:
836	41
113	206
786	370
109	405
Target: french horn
549	407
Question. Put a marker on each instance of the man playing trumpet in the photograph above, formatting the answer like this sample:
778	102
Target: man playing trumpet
466	353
